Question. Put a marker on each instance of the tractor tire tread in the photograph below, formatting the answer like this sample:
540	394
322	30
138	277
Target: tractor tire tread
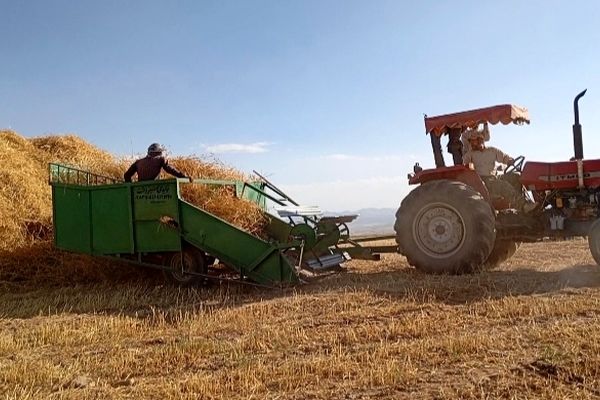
479	227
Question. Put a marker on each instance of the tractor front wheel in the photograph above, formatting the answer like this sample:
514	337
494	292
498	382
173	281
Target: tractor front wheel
445	227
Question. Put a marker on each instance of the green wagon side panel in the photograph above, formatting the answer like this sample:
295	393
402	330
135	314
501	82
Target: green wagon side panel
111	220
72	219
246	191
156	212
255	258
155	237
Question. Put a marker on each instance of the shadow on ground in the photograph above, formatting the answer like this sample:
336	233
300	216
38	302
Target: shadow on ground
466	288
142	298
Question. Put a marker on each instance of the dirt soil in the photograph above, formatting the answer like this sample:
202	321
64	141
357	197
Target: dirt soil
381	330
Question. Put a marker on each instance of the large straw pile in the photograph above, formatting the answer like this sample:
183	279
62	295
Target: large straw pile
24	193
26	205
77	152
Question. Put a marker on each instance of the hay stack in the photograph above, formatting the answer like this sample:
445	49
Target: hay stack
213	169
25	199
73	150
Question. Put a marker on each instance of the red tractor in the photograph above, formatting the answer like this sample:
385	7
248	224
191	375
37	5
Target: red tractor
451	224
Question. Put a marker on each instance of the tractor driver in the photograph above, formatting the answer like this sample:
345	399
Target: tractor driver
467	133
148	168
484	161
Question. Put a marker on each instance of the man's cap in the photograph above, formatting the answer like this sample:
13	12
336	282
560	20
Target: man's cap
155	148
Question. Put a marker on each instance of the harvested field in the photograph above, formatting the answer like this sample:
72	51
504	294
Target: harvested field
382	330
75	327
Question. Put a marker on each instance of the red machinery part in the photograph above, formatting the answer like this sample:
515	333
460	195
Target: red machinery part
459	173
559	175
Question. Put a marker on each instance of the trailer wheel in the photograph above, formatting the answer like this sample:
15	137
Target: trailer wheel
445	227
181	263
594	240
502	251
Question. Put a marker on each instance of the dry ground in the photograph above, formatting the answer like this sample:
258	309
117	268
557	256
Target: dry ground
382	330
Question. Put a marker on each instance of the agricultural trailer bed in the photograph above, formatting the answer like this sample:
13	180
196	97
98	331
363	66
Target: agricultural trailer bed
150	224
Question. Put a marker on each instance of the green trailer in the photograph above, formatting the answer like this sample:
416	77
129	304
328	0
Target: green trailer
150	224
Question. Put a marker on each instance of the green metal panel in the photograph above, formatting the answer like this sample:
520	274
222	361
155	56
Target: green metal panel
71	208
278	229
246	191
111	219
253	257
152	236
156	215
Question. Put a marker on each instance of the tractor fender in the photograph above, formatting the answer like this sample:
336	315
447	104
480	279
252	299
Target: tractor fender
458	173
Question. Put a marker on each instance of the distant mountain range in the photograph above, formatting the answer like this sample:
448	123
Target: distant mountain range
370	221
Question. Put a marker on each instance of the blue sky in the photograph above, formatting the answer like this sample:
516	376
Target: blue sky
324	97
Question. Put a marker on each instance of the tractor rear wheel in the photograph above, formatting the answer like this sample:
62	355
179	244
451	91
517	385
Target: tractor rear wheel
594	240
502	251
445	227
180	264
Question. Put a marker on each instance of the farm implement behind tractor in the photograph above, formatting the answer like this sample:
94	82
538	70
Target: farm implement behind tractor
325	239
149	224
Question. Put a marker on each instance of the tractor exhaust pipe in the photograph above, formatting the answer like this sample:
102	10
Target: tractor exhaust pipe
577	138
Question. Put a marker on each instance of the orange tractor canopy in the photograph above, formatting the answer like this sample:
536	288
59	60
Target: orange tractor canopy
505	113
454	125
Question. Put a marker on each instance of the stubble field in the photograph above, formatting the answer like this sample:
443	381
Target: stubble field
380	330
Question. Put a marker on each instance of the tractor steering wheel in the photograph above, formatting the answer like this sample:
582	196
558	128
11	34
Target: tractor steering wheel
517	165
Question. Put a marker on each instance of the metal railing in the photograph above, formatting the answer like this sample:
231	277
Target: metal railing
60	173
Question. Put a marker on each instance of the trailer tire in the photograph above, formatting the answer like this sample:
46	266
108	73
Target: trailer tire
445	227
502	251
192	260
594	240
